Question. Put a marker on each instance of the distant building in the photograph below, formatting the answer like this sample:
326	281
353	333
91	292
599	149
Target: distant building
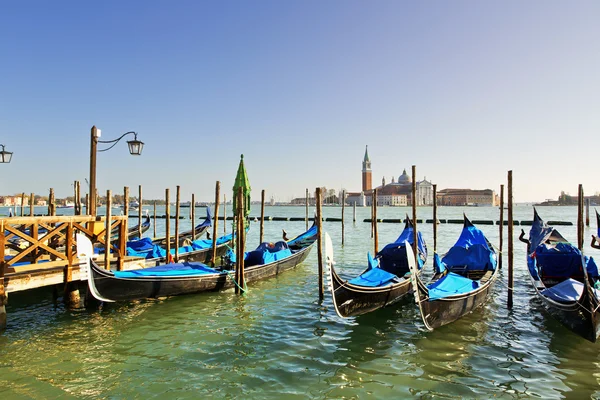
467	197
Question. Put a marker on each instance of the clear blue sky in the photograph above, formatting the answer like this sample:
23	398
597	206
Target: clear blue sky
464	90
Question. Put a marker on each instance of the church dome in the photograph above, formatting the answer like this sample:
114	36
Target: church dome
404	178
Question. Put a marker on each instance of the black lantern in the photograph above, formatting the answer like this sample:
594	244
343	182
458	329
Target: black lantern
6	156
135	146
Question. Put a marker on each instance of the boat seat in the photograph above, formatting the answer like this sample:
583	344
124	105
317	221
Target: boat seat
486	277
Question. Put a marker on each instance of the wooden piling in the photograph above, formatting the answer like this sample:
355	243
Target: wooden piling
372	217
434	218
501	227
50	201
306	205
343	206
177	202
580	217
354	212
22	204
213	257
510	234
126	204
154	235
168	226
140	212
71	295
78	210
375	232
87	204
31	201
107	231
239	261
193	216
262	215
319	218
242	233
587	212
414	215
3	294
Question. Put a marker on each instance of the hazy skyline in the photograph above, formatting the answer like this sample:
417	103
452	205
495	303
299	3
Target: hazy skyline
464	90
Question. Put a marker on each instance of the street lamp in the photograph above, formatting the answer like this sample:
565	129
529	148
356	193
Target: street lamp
135	149
5	156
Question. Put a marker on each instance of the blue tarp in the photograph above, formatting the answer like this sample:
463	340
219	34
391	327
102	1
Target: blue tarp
471	251
305	238
392	258
186	268
449	285
373	278
267	253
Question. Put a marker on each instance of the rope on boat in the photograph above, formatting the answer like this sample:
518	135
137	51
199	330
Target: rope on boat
243	289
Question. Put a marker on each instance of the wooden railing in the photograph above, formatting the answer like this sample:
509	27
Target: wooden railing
39	243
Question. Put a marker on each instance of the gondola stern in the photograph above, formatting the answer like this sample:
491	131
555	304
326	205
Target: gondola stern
414	278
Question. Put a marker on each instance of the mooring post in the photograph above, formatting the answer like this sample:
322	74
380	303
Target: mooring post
168	227
177	202
354	212
372	217
154	217
501	228
50	201
375	232
140	213
306	205
87	204
31	197
435	219
193	216
213	257
71	295
239	260
319	242
414	215
107	231
23	204
510	234
580	217
224	214
587	212
242	240
78	211
3	294
126	203
262	215
343	206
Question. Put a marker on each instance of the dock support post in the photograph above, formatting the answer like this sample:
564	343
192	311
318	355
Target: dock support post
319	242
167	227
510	241
213	256
31	198
262	215
501	228
71	293
126	204
435	219
343	206
3	294
414	216
177	202
306	206
107	232
140	213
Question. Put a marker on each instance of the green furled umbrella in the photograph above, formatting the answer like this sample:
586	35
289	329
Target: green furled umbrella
241	181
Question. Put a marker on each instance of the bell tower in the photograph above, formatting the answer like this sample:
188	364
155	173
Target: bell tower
366	172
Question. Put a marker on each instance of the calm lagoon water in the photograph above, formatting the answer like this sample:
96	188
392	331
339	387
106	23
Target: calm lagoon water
279	341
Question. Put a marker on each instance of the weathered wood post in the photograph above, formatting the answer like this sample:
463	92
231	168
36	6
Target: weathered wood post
31	201
140	213
343	206
213	257
23	204
510	241
319	221
241	261
193	216
414	215
239	264
87	204
306	206
224	214
262	215
126	203
168	227
501	228
354	212
50	201
435	219
587	212
78	210
107	231
177	202
375	232
3	294
580	217
71	295
372	217
154	217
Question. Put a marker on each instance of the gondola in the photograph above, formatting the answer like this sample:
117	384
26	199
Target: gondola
382	283
193	277
564	287
185	236
197	250
134	231
463	279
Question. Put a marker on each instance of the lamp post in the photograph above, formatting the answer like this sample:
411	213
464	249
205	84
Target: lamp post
135	149
5	156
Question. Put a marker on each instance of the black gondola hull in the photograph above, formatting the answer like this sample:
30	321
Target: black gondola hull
110	288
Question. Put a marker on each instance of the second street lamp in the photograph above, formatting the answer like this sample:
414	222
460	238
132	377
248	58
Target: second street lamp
5	156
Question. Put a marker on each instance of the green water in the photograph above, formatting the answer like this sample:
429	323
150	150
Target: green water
279	341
